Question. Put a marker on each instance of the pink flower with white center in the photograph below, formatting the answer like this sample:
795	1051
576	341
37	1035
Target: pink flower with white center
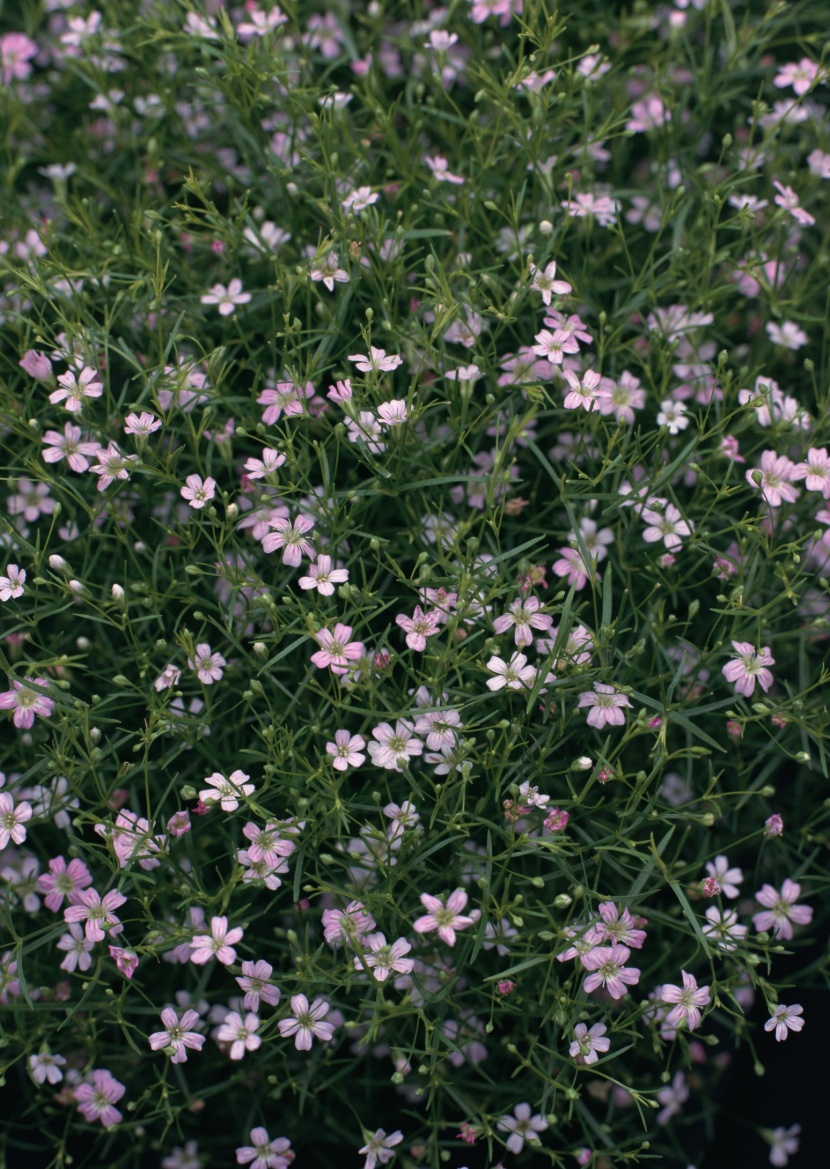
340	392
207	665
687	1001
781	912
197	491
226	298
446	919
376	361
384	958
96	1101
112	465
359	199
440	728
269	844
394	747
32	500
608	968
217	944
73	389
571	566
288	398
617	927
788	199
784	1143
723	929
513	674
783	1020
168	677
440	168
748	667
378	1149
599	206
16	51
555	345
668	526
11	585
26	702
12	819
589	1045
323	577
97	913
800	76
227	791
606	705
57	446
418	627
259	468
787	334
261	870
776	475
347	926
46	1067
583	393
178	1034
522	1127
63	880
336	650
179	823
815	471
141	425
241	1034
77	946
307	1022
728	879
525	614
622	397
346	750
263	1153
291	537
126	961
254	982
327	269
393	413
546	283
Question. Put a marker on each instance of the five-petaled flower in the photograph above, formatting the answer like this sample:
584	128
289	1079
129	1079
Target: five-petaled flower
178	1034
307	1022
217	944
686	1001
606	703
783	1020
227	298
522	1127
446	919
748	667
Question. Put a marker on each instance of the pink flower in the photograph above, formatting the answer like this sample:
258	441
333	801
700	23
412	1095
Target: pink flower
667	525
178	1034
32	500
346	750
322	577
12	819
36	365
74	389
393	413
394	747
588	1045
290	536
226	298
783	1143
207	665
241	1034
46	1066
521	1126
112	465
168	677
554	346
546	282
513	674
16	51
747	667
781	911
307	1022
97	913
377	361
77	946
349	925
68	446
608	969
800	76
336	650
141	425
728	879
269	843
606	705
582	392
96	1100
384	959
63	880
787	199
815	471
263	1153
254	982
378	1149
126	961
217	944
440	168
784	1020
258	468
774	826
227	791
179	823
446	919
11	585
525	614
571	566
198	492
688	1000
26	702
418	627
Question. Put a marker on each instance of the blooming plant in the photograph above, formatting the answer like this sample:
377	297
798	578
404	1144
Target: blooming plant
415	533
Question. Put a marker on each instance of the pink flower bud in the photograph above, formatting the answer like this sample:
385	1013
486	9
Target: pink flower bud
37	365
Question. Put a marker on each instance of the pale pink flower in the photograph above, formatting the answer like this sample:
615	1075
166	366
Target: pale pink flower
126	961
112	465
728	879
589	1044
800	76
571	566
582	393
522	1127
554	346
31	500
394	747
254	982
241	1034
46	1067
26	702
69	446
16	51
271	843
198	492
73	389
340	392
258	468
617	927
327	269
346	750
377	361
781	911
774	826
97	913
525	614
606	704
11	585
648	114
12	819
788	199
393	413
217	944
672	1097
784	1020
77	946
673	416
179	823
783	1143
226	791
63	880
667	525
287	397
349	925
378	1149
418	627
263	1153
608	968
359	199
178	1034
384	958
546	283
787	334
818	161
207	665
687	1001
776	475
96	1101
440	728
36	365
446	919
513	674
226	298
440	168
307	1022
336	650
291	537
815	471
141	425
723	928
323	577
168	677
747	667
